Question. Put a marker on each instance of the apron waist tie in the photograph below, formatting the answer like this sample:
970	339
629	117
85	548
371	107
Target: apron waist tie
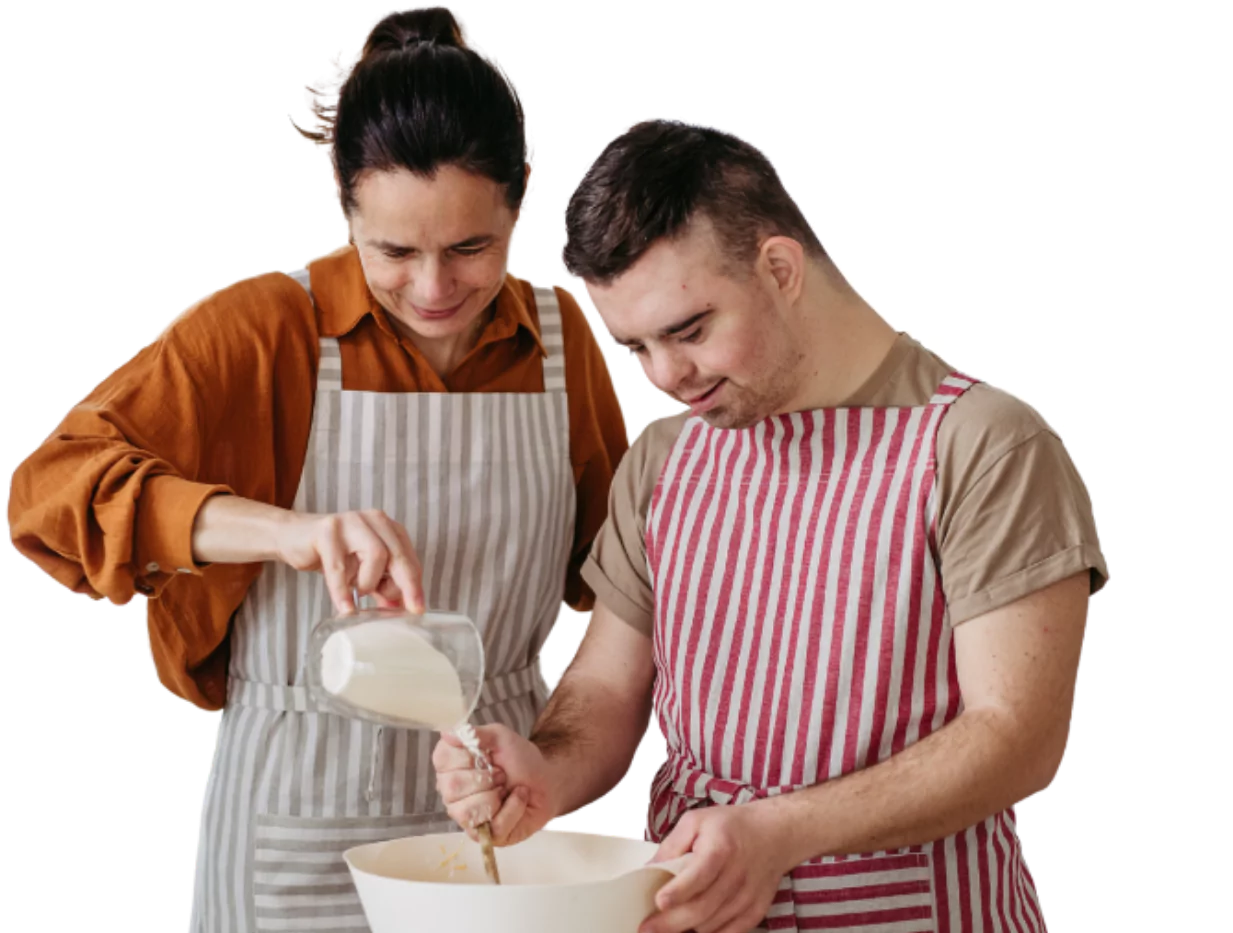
681	787
299	699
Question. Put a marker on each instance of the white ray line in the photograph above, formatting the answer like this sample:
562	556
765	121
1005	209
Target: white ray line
853	133
964	123
1123	397
789	117
1106	286
1026	126
1158	344
1059	185
915	88
1114	457
1117	217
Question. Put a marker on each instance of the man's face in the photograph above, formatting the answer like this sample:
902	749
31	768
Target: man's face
718	339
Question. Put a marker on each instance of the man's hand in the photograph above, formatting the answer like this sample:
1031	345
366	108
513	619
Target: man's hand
730	882
517	798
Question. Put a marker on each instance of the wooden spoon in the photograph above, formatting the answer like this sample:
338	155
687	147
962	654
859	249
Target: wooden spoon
466	733
484	831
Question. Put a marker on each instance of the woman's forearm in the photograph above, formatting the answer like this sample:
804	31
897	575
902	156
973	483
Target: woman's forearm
234	530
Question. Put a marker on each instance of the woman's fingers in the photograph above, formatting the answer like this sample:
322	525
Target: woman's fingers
403	563
332	548
373	556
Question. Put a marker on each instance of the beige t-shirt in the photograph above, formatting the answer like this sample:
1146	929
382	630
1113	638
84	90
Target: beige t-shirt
1013	514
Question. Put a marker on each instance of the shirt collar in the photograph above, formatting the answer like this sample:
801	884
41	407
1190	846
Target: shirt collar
343	301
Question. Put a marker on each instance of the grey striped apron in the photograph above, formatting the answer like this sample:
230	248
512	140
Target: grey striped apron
483	484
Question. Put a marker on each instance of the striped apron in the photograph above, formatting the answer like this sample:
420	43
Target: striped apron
801	634
484	485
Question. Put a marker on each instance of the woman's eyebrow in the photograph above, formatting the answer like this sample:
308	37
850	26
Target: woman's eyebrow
479	239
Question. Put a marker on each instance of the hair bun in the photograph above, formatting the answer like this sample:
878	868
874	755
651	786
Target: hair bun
391	33
406	30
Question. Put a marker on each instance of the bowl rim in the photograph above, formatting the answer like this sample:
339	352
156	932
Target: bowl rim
575	885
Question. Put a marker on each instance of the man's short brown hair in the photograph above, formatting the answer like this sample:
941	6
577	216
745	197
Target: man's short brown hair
649	183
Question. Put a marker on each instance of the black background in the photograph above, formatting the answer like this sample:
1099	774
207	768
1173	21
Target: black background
162	165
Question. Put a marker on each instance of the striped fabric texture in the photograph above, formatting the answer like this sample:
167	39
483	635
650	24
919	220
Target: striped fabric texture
484	485
801	634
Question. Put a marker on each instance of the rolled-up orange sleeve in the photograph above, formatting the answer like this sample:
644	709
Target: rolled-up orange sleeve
107	504
74	505
597	440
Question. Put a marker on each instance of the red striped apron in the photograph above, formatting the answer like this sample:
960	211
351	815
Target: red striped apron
801	634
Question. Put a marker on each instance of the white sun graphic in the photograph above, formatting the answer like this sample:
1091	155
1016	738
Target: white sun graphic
969	281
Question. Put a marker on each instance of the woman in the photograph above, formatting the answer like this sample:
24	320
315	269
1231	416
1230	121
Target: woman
403	417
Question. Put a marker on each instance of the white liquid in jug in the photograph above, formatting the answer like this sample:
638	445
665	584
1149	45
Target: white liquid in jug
385	667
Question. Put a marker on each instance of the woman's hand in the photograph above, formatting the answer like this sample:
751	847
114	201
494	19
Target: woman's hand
361	552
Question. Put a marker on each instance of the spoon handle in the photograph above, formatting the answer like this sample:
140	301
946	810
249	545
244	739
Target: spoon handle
484	831
466	734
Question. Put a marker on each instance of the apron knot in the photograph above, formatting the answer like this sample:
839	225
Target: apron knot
683	786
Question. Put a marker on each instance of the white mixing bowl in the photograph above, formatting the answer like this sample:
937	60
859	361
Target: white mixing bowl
552	883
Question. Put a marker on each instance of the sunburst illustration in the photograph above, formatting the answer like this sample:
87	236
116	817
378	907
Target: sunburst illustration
970	281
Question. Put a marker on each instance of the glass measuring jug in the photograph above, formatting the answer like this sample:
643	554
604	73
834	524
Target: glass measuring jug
398	669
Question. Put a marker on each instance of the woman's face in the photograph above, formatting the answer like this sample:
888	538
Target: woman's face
434	250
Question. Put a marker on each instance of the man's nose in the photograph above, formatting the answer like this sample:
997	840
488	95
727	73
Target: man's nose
669	370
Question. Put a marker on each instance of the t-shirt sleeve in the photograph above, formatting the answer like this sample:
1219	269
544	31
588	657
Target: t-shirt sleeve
597	440
616	569
1014	515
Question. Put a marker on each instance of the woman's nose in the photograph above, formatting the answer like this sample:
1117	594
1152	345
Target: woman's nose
434	285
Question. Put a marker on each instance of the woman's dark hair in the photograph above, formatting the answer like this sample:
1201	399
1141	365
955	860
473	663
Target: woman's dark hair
649	184
419	99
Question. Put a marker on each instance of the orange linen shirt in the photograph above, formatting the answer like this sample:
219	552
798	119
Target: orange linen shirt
223	402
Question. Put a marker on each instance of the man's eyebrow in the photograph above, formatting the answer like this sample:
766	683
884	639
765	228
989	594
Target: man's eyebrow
480	239
671	329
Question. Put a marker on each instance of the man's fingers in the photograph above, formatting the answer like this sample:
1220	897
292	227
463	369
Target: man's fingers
476	809
694	880
692	915
449	755
509	816
454	786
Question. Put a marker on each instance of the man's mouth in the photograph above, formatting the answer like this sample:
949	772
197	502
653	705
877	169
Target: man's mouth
703	401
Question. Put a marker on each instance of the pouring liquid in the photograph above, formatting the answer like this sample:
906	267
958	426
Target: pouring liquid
386	668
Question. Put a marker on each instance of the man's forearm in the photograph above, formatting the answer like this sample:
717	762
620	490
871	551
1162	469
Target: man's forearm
588	736
970	769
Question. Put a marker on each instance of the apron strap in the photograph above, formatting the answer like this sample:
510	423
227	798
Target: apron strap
295	699
551	337
329	367
329	373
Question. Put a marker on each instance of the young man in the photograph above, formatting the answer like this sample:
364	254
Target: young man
852	581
